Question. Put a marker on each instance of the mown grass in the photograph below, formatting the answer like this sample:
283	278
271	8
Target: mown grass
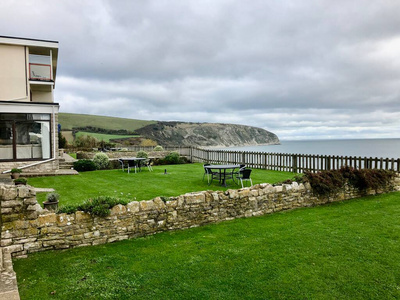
144	185
104	137
345	250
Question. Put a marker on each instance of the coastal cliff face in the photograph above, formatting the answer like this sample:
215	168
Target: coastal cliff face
207	134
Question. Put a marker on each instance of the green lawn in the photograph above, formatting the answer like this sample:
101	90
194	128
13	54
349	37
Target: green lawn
104	137
344	250
145	185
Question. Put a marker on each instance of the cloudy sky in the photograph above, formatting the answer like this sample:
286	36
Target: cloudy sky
301	69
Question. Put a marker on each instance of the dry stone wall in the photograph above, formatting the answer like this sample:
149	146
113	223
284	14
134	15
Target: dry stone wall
27	228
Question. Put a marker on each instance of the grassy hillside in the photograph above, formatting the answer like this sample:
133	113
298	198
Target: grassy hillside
104	137
70	121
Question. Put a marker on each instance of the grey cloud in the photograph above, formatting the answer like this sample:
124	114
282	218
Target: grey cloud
298	68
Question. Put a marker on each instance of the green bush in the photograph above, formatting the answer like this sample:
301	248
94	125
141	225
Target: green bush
101	161
158	148
142	154
172	158
84	165
20	180
98	206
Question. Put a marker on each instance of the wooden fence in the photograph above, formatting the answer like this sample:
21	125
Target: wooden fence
296	163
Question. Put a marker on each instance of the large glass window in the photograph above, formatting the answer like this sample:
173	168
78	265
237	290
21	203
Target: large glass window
25	136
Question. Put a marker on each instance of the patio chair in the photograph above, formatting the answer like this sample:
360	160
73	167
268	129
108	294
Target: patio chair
148	163
244	175
237	173
134	164
207	172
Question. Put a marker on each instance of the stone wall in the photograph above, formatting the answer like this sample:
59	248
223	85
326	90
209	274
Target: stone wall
27	228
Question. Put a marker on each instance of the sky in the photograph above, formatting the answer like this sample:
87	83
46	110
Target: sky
310	69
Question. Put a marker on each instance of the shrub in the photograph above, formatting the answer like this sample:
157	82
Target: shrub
147	143
142	154
86	141
62	141
20	181
83	165
158	148
327	182
101	160
98	206
172	158
52	197
16	170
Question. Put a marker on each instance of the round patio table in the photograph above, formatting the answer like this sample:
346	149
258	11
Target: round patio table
223	174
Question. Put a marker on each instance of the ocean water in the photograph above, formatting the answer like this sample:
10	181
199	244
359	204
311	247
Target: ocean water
381	148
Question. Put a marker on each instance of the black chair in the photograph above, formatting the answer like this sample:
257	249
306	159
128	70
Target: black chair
244	175
237	173
134	164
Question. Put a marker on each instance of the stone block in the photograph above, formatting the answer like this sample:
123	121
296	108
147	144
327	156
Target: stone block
233	194
118	210
9	193
147	205
99	241
244	193
35	207
11	203
133	207
159	203
6	242
14	248
81	216
30	201
23	191
194	198
45	220
6	210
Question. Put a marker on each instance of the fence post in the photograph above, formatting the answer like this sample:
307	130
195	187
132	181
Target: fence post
294	159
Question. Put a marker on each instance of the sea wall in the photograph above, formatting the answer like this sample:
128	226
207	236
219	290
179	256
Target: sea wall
27	228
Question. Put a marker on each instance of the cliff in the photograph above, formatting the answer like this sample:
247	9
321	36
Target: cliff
207	134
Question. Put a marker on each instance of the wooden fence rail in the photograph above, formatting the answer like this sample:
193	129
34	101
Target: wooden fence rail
296	163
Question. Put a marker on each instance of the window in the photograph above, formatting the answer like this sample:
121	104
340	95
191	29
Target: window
25	136
39	67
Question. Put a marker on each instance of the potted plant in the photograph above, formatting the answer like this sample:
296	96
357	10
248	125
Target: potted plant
15	173
51	202
20	181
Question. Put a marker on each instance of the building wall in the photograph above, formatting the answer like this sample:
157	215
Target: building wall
27	228
13	73
46	97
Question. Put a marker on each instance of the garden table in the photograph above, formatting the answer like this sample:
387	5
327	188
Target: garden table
222	174
133	162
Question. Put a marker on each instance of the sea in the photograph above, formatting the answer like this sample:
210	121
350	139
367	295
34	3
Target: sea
380	148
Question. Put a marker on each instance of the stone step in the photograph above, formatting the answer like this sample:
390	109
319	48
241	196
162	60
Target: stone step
5	179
